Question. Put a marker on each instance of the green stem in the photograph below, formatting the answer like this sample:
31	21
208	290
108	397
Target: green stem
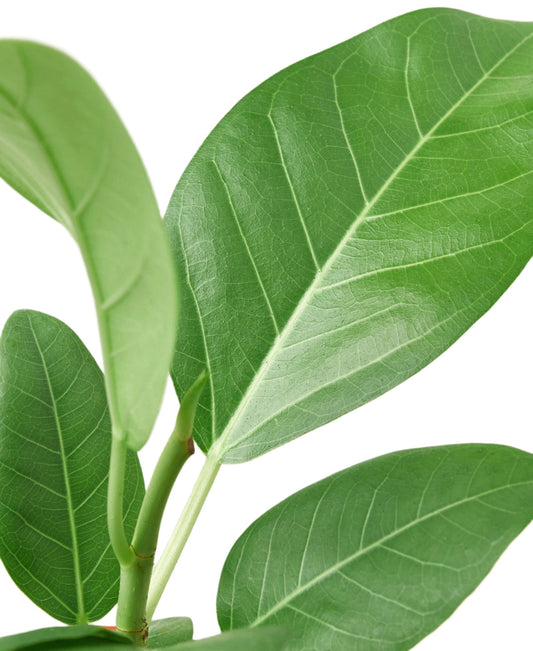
135	576
131	610
179	448
115	500
181	533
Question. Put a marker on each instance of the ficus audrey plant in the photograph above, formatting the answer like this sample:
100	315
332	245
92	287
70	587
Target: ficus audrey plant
340	228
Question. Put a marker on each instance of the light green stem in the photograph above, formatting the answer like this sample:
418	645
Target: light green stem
115	500
131	610
179	448
135	576
181	533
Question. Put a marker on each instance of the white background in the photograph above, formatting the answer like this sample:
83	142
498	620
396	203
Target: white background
173	69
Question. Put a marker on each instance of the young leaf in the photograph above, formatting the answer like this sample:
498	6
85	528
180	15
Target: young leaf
348	220
164	632
55	439
56	636
267	639
65	149
378	555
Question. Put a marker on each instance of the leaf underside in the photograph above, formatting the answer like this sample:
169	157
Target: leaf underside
55	440
172	630
379	555
348	220
65	149
60	636
268	639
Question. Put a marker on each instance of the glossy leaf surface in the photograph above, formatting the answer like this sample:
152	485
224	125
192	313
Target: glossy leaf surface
58	636
378	555
348	220
172	630
65	149
55	441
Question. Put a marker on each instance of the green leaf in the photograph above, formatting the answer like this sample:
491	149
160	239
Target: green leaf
380	554
65	149
87	644
56	637
169	631
55	440
348	220
267	639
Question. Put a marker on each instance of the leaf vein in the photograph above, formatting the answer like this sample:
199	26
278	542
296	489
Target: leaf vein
246	245
346	139
293	192
378	543
81	616
218	449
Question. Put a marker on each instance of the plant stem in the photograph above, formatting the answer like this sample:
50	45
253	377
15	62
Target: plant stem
135	576
179	448
171	461
131	610
181	533
115	499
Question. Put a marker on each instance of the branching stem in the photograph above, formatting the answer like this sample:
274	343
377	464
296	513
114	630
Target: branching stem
181	533
136	573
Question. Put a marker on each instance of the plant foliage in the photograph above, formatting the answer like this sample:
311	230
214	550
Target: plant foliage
341	227
348	220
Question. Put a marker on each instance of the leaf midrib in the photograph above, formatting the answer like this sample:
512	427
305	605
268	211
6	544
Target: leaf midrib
378	543
81	617
218	450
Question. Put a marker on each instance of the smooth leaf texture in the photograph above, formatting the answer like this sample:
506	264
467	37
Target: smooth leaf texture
172	630
268	639
380	554
55	441
65	149
348	220
57	636
88	644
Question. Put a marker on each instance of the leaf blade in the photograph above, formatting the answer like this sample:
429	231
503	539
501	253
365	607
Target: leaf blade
66	150
164	632
413	245
54	425
58	636
382	553
268	639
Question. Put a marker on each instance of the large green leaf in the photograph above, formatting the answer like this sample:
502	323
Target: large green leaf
65	149
59	635
348	220
378	555
55	440
172	630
